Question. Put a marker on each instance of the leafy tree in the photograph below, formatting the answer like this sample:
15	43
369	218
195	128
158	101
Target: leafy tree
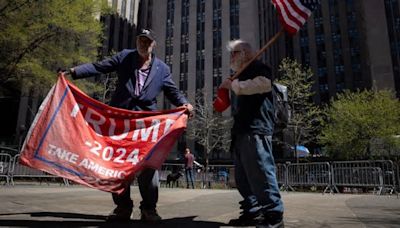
356	119
209	129
37	37
305	115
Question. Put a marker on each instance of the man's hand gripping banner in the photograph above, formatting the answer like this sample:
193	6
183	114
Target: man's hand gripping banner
76	137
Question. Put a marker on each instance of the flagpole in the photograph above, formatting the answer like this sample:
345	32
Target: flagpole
222	100
266	46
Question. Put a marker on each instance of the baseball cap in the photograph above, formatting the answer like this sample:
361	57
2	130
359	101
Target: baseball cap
147	33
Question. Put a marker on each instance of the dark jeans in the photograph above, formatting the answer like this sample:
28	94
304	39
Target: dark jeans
255	174
189	177
148	185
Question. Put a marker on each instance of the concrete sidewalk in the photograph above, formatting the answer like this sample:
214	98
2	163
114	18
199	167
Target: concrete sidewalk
54	206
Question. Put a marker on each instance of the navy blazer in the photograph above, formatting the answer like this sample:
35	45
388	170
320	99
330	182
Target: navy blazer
125	63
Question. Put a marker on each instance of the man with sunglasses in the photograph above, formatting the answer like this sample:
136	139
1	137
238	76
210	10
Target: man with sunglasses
253	114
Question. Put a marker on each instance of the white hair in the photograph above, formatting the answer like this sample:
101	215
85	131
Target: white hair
241	44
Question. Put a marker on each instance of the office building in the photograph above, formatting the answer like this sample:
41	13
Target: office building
349	44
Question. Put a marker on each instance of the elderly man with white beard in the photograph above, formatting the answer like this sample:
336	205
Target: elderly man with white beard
253	113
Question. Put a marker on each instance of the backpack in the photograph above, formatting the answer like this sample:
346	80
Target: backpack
281	106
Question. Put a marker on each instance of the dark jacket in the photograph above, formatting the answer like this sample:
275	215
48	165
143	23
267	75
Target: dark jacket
125	63
189	159
253	113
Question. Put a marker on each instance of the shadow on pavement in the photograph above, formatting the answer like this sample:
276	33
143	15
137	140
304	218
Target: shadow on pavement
377	221
98	221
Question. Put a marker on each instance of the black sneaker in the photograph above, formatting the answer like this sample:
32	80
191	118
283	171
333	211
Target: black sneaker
150	215
272	220
269	225
120	214
247	219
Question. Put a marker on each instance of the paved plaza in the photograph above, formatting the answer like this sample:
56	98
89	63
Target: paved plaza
76	206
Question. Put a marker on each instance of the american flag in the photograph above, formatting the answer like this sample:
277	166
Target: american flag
294	13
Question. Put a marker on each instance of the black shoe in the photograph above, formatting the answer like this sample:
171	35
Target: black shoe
120	214
272	220
150	215
273	225
247	219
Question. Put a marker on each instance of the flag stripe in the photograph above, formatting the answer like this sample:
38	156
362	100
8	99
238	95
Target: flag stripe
293	14
283	15
302	9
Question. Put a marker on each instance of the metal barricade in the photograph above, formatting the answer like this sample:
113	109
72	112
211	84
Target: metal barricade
397	166
8	150
281	173
220	175
309	174
21	171
215	175
381	175
282	177
389	174
358	174
5	166
199	176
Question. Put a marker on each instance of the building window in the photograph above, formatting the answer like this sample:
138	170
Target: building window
169	44
217	45
234	19
123	9
149	14
393	24
184	62
200	25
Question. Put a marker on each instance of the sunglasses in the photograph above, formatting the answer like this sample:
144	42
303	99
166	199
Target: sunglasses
234	52
145	40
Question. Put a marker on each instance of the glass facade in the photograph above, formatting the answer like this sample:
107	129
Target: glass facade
354	44
184	61
234	19
200	52
393	23
336	38
169	44
330	65
322	68
149	14
217	46
268	25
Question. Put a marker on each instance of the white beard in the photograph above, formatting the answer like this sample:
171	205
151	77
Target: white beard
235	66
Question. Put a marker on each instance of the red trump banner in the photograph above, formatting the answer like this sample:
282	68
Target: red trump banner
76	137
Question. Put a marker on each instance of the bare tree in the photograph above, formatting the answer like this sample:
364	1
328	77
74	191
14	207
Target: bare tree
305	115
209	129
109	84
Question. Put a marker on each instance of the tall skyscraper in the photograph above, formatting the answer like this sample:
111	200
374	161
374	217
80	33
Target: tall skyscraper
120	27
348	44
192	35
392	10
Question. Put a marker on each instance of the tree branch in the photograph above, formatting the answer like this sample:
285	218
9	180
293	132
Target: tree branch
16	7
30	48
